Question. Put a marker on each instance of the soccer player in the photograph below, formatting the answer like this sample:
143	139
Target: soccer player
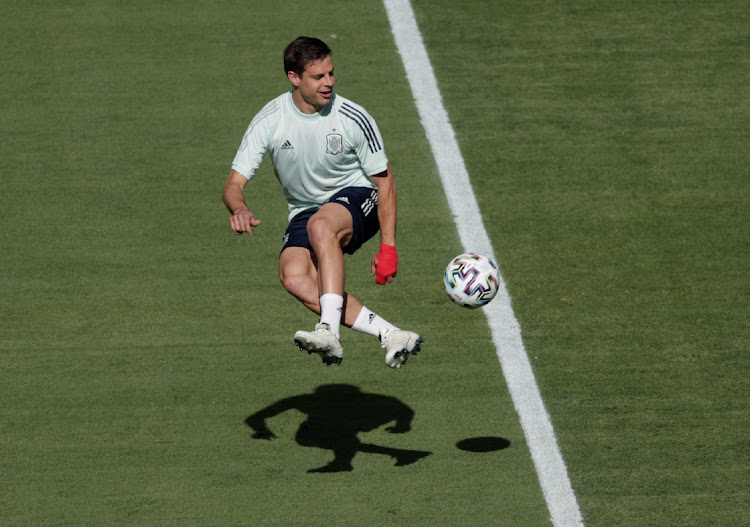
328	155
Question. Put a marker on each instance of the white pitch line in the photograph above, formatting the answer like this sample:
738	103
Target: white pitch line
506	331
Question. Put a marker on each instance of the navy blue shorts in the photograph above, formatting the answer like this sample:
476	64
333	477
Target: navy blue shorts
362	204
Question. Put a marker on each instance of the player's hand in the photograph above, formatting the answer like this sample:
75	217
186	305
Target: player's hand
243	221
385	264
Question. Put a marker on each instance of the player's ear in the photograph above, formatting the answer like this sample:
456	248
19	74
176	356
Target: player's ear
293	78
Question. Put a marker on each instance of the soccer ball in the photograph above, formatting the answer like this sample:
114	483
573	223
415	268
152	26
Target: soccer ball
471	280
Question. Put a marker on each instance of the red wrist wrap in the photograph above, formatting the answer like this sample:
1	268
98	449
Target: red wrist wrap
387	263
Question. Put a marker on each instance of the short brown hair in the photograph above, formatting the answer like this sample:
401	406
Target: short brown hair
302	51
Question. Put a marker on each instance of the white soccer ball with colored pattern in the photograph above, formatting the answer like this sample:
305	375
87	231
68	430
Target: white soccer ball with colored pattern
471	280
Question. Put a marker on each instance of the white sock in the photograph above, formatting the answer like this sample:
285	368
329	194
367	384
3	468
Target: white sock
369	323
331	309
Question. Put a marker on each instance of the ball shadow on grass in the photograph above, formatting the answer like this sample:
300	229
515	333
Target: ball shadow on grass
483	444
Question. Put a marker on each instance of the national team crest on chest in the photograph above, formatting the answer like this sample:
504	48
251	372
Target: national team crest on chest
334	144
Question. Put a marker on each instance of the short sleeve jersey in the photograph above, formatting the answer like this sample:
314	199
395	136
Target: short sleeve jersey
314	156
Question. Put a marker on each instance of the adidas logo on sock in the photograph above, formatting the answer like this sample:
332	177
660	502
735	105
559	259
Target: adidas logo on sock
287	145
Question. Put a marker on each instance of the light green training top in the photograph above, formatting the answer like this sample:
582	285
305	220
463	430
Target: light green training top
314	156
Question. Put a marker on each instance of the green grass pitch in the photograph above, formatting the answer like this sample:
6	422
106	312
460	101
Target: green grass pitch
608	147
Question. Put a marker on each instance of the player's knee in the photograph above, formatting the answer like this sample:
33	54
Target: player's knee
297	284
318	229
290	281
324	232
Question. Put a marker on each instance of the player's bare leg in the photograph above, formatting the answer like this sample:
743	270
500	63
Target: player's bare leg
329	230
299	276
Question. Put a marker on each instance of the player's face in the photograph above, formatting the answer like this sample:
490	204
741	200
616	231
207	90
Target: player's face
314	86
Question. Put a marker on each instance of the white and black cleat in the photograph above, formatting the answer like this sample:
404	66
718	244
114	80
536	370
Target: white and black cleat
322	342
399	345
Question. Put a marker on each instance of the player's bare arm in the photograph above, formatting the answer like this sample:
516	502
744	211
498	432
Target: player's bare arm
386	206
242	219
384	264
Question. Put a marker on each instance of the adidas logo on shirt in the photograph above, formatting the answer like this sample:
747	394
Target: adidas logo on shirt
287	145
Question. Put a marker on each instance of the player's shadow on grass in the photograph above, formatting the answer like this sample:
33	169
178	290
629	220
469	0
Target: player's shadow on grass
336	414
